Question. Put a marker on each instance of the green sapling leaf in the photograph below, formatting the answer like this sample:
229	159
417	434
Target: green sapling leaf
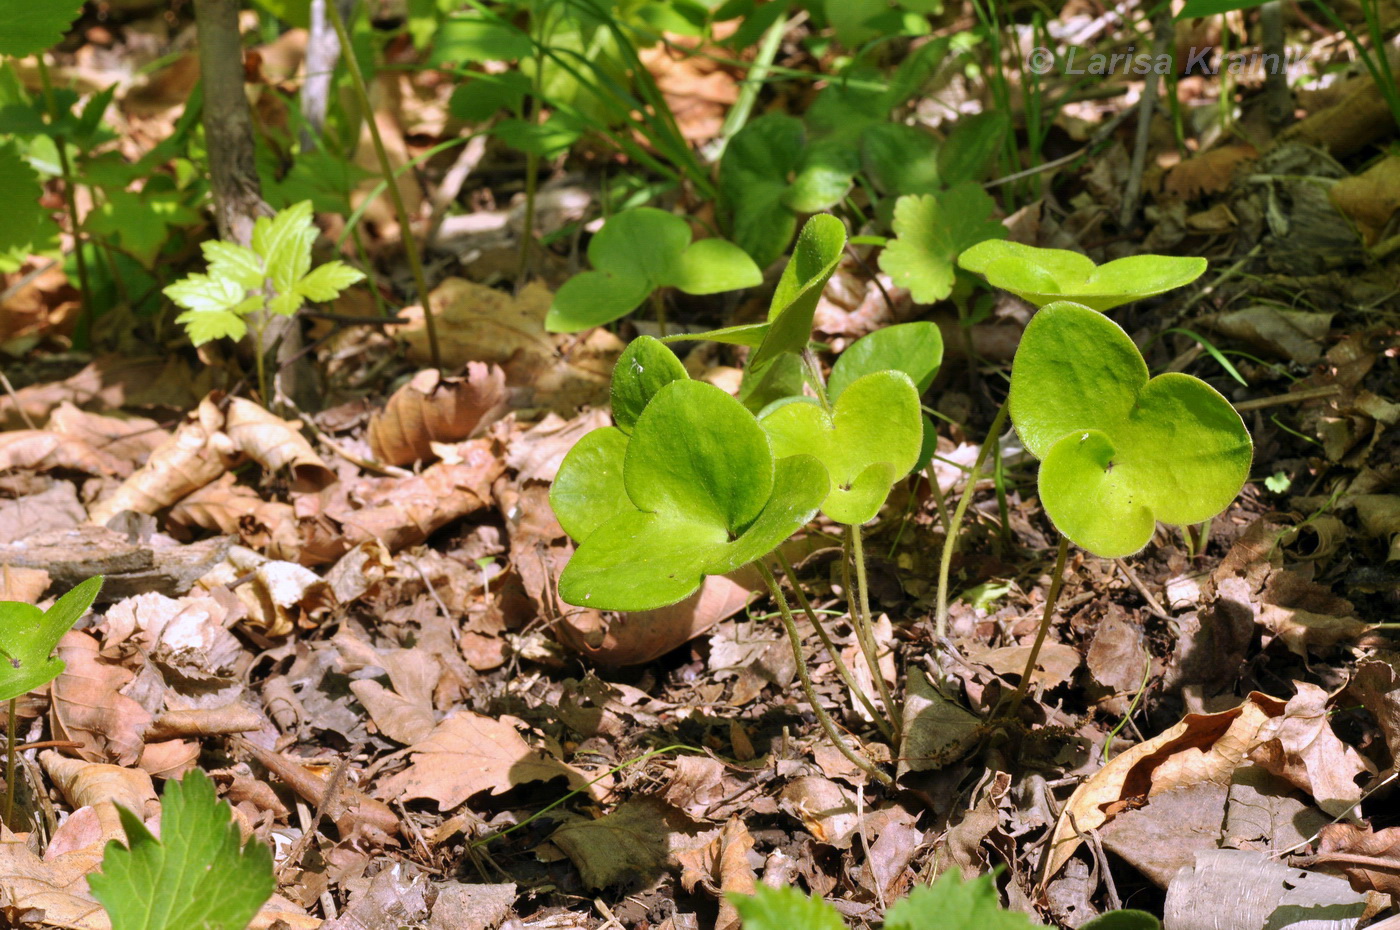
932	230
953	904
197	875
19	198
708	496
645	367
28	636
870	440
785	908
913	348
637	252
28	27
1044	275
1119	451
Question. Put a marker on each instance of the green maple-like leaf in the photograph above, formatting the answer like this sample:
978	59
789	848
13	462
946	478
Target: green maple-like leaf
28	636
19	199
953	904
328	280
197	876
933	229
284	242
785	908
30	26
234	262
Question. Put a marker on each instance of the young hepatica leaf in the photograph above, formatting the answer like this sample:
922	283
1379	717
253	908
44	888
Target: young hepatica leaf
645	367
953	904
709	497
785	908
871	439
31	26
588	490
932	230
195	875
28	636
753	181
1045	275
635	253
1119	451
913	348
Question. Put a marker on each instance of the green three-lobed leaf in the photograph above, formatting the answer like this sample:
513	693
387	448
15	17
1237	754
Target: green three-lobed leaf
197	876
28	636
1120	451
1045	275
637	252
932	230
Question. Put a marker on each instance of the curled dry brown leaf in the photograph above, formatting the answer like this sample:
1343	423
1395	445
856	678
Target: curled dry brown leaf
275	444
431	408
101	787
1370	860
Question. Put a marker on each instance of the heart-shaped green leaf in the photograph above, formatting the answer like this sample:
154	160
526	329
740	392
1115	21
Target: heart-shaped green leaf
645	367
754	176
913	348
869	440
637	252
932	230
1119	451
28	636
709	498
1044	275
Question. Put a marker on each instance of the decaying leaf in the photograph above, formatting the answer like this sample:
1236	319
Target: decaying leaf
634	845
1369	859
431	408
275	444
476	323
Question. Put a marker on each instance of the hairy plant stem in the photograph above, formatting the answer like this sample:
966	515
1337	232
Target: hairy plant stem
410	243
865	628
10	727
1057	581
842	668
827	724
950	542
83	335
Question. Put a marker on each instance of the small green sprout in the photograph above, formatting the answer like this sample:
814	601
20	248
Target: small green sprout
28	636
1042	276
274	275
634	254
1119	451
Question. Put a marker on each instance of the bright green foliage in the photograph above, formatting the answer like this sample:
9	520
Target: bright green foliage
870	440
1124	920
1195	8
785	908
588	490
645	367
195	877
31	26
19	199
28	636
953	904
141	222
933	230
709	498
913	348
637	252
1044	275
1119	451
217	303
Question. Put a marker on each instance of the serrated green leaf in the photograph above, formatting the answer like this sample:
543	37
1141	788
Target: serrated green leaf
933	229
953	904
28	27
327	281
197	875
284	243
19	199
1119	451
141	222
207	325
202	293
234	262
901	159
28	636
785	908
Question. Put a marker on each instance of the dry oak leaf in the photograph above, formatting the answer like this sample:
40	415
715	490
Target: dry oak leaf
476	323
468	753
1371	198
1201	748
109	383
1370	860
722	866
125	441
90	708
1299	746
101	787
1376	685
431	408
275	444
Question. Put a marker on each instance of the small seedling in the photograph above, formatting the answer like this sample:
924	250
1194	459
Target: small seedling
932	230
1120	451
635	254
1045	275
28	636
198	874
275	275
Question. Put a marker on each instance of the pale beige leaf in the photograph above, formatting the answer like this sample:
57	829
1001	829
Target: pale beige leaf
275	444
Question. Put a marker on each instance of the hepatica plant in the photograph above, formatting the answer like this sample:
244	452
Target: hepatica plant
1119	450
1042	276
635	254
